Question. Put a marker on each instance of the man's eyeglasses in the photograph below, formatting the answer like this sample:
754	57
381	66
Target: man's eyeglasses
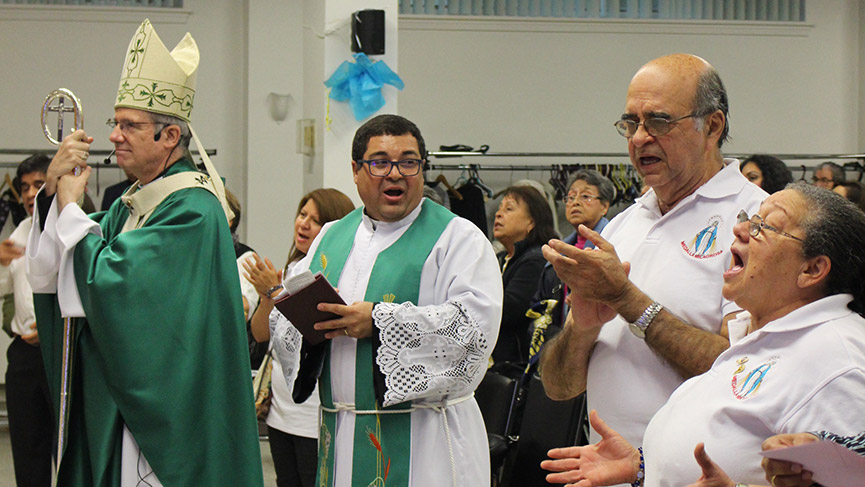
757	225
816	180
380	168
655	126
126	125
585	198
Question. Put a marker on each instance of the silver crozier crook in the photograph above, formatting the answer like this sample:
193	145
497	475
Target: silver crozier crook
63	95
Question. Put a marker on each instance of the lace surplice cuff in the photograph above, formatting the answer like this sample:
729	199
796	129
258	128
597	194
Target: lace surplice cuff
428	351
286	342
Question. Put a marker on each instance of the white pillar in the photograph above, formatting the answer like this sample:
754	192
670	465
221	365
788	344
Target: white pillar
293	47
331	163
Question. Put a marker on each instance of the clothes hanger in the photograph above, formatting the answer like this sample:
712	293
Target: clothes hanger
636	183
462	179
855	166
475	179
8	180
451	190
804	170
558	179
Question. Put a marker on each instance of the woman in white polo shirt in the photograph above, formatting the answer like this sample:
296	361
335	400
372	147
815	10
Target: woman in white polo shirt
796	360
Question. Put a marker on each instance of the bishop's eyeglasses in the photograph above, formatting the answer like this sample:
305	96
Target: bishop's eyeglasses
125	125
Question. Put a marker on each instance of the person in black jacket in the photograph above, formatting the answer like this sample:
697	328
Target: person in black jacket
589	197
523	224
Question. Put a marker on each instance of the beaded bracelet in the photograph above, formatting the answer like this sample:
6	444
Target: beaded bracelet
642	472
270	291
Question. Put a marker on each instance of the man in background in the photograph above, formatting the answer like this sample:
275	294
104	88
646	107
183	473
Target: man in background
28	402
828	174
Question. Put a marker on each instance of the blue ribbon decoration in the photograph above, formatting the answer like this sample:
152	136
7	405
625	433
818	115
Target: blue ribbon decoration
360	83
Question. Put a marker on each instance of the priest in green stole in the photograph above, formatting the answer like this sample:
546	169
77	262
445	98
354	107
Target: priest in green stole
158	382
398	372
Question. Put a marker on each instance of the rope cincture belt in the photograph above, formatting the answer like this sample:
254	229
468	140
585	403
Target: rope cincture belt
440	407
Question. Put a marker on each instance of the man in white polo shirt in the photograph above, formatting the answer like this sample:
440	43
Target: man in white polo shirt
675	241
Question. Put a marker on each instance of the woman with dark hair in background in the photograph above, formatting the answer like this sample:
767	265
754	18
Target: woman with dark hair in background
292	428
524	223
767	172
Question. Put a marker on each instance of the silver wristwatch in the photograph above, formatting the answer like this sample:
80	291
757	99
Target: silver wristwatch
638	328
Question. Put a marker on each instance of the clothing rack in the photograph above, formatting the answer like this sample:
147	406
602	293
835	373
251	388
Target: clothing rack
857	161
512	167
23	153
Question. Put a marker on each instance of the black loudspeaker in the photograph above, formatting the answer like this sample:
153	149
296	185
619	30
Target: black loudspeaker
367	31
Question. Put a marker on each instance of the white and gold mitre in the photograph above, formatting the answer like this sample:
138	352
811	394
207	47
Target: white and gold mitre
156	80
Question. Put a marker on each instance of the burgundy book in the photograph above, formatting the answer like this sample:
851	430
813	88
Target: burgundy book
301	308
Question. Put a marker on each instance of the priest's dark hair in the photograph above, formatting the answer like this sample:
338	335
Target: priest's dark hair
385	125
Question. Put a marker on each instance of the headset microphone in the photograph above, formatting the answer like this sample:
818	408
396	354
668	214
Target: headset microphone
107	160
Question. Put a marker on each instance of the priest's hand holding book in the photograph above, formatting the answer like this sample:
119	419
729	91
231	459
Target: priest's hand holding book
355	320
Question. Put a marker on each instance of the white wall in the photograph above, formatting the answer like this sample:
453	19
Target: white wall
559	86
517	86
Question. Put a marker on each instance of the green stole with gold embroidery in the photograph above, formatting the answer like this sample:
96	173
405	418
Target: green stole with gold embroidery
382	441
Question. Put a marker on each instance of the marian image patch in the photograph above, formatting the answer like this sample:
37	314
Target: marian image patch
747	383
704	245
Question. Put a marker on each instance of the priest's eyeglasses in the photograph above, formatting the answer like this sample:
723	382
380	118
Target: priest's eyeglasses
380	168
757	225
655	126
126	125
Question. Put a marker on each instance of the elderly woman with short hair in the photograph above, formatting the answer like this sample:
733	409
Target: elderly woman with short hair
589	197
796	360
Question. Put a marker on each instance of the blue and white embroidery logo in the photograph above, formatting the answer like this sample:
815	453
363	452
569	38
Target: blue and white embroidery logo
704	245
747	384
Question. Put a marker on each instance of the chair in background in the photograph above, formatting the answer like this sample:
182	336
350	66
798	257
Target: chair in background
496	398
544	424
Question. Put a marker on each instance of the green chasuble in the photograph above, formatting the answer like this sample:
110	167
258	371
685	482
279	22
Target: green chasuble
382	441
162	349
